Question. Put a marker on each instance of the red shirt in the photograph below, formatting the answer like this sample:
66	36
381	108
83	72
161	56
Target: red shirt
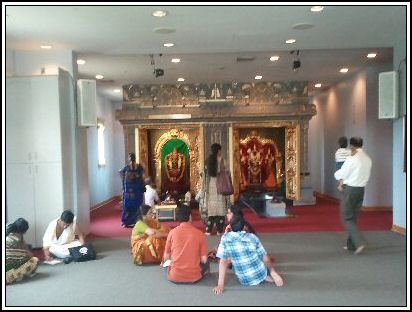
185	244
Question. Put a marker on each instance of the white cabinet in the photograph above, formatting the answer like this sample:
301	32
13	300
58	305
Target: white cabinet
39	177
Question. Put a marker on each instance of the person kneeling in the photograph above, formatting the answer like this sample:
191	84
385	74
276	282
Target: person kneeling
186	248
245	252
148	238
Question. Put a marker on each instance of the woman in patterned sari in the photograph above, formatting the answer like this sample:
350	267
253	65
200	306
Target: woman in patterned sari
19	260
148	238
133	189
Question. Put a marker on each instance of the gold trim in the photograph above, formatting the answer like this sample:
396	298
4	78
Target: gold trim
398	229
292	151
192	144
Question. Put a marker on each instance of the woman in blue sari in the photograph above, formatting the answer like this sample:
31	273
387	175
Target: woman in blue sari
133	189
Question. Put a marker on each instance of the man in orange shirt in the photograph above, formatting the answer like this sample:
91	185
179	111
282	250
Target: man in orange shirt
186	248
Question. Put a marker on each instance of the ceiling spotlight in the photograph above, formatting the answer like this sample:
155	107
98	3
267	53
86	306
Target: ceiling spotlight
344	70
81	62
274	58
296	63
318	85
371	55
47	47
116	90
168	44
290	41
175	60
181	79
99	77
258	77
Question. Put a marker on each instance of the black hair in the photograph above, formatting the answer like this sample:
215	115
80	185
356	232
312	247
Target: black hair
67	217
182	212
132	156
144	209
236	210
356	142
343	142
19	226
237	223
212	160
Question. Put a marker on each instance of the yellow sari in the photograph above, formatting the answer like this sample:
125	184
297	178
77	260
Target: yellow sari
148	249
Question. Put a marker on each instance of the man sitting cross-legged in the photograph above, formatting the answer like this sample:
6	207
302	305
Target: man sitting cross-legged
186	248
245	252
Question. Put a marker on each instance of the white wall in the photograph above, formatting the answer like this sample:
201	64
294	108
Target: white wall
34	63
349	109
104	181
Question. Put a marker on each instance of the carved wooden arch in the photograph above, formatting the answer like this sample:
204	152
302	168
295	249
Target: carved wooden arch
193	155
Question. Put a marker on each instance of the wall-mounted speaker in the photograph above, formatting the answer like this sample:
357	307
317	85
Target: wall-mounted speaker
388	95
86	103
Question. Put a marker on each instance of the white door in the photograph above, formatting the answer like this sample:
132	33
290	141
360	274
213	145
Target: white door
19	122
20	197
48	196
46	119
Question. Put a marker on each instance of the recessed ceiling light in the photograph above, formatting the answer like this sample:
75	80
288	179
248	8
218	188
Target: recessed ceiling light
317	8
99	76
371	55
81	62
168	44
274	58
290	41
176	60
116	90
180	79
46	46
344	70
258	77
160	13
318	85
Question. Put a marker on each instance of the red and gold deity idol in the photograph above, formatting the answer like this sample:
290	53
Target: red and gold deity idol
175	163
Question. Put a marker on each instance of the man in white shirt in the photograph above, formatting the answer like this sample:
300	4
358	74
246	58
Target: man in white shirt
150	196
353	176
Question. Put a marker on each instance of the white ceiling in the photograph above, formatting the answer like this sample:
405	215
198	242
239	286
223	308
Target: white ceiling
116	41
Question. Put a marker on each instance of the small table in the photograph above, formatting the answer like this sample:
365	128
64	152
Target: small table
166	211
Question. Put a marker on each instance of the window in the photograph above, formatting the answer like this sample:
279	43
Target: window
100	143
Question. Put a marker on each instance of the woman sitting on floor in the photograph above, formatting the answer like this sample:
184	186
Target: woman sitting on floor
19	259
148	238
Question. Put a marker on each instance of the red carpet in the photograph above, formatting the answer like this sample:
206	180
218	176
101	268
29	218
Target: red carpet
323	217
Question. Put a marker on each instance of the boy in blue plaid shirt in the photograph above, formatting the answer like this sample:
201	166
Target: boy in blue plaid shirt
249	259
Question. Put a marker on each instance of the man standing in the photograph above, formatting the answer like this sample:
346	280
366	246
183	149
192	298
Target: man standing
186	248
353	176
150	196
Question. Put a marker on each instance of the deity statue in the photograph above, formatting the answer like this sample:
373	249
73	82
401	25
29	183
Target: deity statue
175	163
255	163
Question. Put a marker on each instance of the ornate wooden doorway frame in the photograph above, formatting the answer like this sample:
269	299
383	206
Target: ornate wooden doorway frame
174	131
291	157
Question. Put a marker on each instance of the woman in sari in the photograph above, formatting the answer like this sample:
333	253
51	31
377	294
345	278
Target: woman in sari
19	260
148	238
133	189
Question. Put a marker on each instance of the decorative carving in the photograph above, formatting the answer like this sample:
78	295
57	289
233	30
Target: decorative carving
238	93
292	163
144	157
193	145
